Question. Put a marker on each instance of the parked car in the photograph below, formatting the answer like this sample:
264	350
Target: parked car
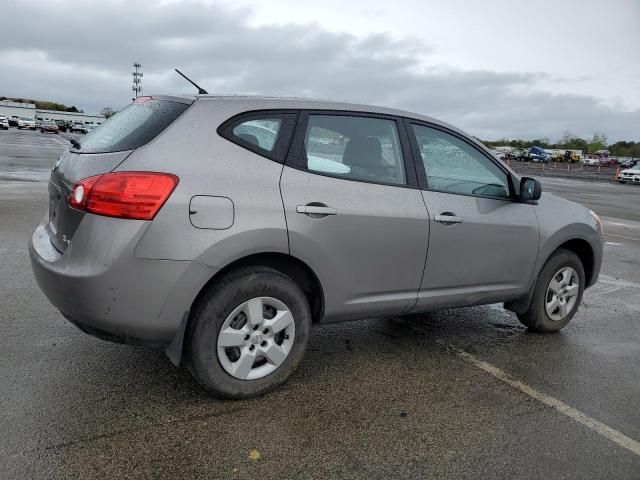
608	162
592	162
91	128
537	154
174	225
62	125
25	122
79	127
631	175
4	123
520	154
13	121
498	154
49	126
630	163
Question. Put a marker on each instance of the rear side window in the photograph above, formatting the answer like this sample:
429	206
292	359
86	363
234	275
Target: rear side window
262	132
132	127
266	133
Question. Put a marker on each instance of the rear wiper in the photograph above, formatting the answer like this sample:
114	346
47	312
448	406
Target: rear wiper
75	143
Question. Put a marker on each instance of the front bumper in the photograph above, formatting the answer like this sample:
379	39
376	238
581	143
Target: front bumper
101	287
629	178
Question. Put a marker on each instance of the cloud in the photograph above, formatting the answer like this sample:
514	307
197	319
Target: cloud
81	54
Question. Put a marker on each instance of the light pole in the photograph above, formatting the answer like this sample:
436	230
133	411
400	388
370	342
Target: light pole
137	79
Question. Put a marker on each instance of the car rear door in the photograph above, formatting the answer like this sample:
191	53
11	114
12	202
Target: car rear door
483	244
354	213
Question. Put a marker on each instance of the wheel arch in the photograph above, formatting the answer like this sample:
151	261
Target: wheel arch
284	263
585	252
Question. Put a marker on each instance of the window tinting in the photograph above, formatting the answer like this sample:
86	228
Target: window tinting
453	165
358	148
132	127
261	132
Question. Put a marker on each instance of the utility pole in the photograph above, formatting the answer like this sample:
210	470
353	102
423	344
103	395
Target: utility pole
137	79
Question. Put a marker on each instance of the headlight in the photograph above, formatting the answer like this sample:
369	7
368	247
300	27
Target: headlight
598	221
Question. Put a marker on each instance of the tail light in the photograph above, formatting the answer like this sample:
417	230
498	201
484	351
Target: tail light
135	195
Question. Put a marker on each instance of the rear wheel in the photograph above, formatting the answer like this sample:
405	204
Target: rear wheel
248	333
557	295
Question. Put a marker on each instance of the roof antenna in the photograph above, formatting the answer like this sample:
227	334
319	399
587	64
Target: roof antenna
201	91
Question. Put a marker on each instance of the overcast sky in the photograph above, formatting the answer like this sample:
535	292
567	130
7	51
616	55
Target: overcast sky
495	68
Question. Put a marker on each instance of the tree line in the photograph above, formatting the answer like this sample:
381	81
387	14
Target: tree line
570	141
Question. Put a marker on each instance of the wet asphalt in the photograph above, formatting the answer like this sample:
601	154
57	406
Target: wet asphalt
381	398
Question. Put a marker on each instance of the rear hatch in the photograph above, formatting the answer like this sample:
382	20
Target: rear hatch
100	152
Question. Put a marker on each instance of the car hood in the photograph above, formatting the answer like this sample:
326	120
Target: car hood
634	171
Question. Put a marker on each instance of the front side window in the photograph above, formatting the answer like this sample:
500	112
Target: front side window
262	132
454	166
356	148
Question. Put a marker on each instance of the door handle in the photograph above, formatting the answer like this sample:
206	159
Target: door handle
320	210
447	218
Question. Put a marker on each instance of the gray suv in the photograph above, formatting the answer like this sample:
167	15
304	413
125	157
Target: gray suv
221	228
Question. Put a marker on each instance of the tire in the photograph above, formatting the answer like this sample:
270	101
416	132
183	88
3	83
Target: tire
227	306
537	318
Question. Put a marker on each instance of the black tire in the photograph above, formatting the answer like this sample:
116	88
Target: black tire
213	308
536	318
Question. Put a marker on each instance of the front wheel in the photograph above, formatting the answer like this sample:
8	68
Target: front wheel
557	294
248	333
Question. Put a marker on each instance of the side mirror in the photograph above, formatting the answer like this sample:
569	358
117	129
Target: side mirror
530	189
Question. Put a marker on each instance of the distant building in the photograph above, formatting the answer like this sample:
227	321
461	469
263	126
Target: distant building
11	109
14	110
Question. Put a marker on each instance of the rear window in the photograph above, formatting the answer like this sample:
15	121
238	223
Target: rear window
132	127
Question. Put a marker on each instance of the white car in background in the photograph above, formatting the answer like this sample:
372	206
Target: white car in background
78	127
594	162
4	123
631	175
24	122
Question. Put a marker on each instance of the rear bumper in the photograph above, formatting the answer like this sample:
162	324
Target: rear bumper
101	287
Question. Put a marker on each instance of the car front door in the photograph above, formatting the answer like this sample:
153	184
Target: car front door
483	244
354	212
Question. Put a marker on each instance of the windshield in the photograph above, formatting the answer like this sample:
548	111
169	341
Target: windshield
132	127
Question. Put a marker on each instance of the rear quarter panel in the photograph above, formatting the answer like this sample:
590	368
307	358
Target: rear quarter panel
207	164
